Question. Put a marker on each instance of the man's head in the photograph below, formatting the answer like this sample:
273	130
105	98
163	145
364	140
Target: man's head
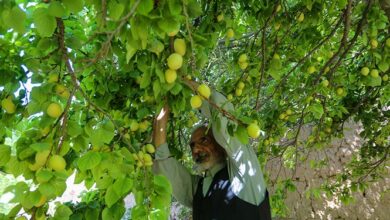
206	152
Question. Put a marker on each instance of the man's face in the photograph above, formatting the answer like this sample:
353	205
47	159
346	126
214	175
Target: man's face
205	150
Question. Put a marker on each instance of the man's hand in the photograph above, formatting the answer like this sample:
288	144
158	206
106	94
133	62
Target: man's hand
160	126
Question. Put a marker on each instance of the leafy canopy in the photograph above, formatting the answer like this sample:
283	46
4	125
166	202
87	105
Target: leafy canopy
284	64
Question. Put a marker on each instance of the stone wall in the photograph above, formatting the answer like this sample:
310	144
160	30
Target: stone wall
374	203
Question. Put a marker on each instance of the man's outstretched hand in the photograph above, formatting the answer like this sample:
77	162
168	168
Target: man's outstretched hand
160	126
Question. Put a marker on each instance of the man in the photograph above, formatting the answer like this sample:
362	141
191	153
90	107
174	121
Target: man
233	186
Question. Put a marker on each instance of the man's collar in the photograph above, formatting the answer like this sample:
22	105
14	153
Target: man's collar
215	169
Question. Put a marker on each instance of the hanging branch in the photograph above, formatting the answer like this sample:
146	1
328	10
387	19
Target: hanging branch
263	51
105	47
302	60
76	84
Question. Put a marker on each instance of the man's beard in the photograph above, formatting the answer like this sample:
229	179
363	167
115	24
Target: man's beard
204	161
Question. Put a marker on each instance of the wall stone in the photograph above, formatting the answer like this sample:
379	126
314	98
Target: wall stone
374	203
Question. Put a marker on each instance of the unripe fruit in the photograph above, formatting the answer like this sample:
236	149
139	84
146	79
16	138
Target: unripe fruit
385	78
180	46
150	148
140	155
173	33
229	97
340	91
365	71
241	85
388	42
220	17
242	58
175	61
170	76
230	33
134	126
277	26
21	218
326	69
41	157
8	105
325	83
243	65
253	130
238	92
289	112
147	158
143	126
282	116
374	73
278	8
45	131
204	91
301	17
196	101
54	110
57	163
311	69
62	91
276	56
53	77
374	43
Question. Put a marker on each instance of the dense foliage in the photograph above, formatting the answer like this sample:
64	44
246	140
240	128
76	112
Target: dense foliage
81	82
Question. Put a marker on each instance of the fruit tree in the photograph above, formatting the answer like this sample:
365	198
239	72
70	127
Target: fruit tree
81	82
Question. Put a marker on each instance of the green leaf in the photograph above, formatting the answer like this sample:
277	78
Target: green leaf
145	79
317	110
89	160
115	10
122	186
371	81
111	196
80	177
156	88
100	133
44	22
130	50
74	6
5	154
115	212
242	135
15	19
176	89
26	153
47	189
143	112
145	6
174	7
168	24
43	175
63	212
276	74
14	211
38	147
383	66
74	129
162	185
92	214
194	9
56	9
139	212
